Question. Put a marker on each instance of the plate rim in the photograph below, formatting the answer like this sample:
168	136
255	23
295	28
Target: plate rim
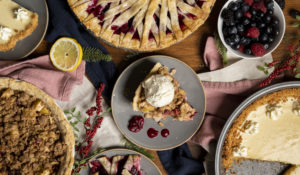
39	42
128	150
140	60
256	95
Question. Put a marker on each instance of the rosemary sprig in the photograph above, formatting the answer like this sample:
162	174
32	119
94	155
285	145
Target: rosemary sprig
91	54
134	147
221	48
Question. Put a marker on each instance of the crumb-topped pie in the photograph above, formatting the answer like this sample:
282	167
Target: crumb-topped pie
142	25
35	137
119	164
159	96
266	130
16	23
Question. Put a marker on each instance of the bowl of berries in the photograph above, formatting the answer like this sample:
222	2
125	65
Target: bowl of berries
251	28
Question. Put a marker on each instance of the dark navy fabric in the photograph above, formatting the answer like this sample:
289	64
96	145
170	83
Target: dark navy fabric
179	161
63	22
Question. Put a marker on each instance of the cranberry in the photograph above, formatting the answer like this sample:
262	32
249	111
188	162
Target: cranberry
165	133
136	123
152	133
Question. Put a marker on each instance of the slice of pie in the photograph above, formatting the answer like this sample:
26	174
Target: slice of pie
35	136
142	25
16	23
159	96
101	166
267	130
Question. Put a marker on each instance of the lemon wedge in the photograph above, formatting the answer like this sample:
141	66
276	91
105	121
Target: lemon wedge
66	54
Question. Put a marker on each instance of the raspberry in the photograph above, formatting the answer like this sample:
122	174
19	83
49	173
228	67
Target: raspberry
260	6
250	2
258	49
253	32
247	14
241	49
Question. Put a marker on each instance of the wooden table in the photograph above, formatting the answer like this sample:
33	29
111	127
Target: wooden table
189	51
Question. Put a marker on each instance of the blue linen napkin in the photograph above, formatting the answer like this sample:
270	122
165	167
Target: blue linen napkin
63	22
179	161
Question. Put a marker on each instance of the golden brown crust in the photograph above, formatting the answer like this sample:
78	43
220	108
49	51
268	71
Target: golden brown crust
192	26
233	138
21	34
61	121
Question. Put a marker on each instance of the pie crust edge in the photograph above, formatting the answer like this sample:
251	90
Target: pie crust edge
20	35
61	121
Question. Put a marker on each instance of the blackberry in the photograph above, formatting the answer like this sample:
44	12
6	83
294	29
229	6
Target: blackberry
245	7
236	46
271	39
261	25
235	38
229	41
228	16
267	18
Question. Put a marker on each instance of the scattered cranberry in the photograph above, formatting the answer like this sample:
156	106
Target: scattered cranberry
152	133
136	123
165	133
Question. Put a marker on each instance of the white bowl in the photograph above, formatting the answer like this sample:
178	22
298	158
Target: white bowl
277	40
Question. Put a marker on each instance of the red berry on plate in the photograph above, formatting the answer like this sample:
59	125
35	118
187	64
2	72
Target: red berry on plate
258	49
253	32
260	6
247	14
250	2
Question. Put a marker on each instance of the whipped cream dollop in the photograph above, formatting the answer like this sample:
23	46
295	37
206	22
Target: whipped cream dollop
273	111
240	151
21	14
5	33
251	127
159	90
296	108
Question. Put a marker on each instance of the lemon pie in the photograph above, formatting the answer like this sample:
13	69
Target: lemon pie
16	23
267	130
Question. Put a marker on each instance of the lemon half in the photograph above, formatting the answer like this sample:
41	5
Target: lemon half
66	54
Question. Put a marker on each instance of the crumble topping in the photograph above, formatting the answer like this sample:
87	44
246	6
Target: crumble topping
296	108
21	14
5	33
250	127
30	141
239	151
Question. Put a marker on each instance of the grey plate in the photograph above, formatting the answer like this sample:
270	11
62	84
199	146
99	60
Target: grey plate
251	167
124	91
26	46
147	166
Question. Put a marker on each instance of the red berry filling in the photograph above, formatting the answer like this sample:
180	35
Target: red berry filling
136	124
165	133
152	133
200	3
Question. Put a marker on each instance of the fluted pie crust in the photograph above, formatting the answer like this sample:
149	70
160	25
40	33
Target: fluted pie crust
143	25
234	138
58	115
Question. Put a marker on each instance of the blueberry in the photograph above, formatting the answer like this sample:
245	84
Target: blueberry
236	46
253	11
238	14
245	21
260	14
266	45
229	23
248	51
240	27
245	7
275	21
267	18
248	41
261	25
253	24
229	41
269	4
233	6
275	31
270	12
225	31
235	38
263	37
271	39
233	30
269	29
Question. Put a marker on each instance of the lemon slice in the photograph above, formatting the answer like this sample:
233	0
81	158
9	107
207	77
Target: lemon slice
66	54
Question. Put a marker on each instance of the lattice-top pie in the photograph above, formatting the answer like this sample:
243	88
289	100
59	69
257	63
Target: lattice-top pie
16	23
142	25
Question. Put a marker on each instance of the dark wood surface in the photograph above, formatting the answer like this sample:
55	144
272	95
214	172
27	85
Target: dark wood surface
190	51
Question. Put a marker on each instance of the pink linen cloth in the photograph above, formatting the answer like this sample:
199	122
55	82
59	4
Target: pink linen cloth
41	73
221	98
